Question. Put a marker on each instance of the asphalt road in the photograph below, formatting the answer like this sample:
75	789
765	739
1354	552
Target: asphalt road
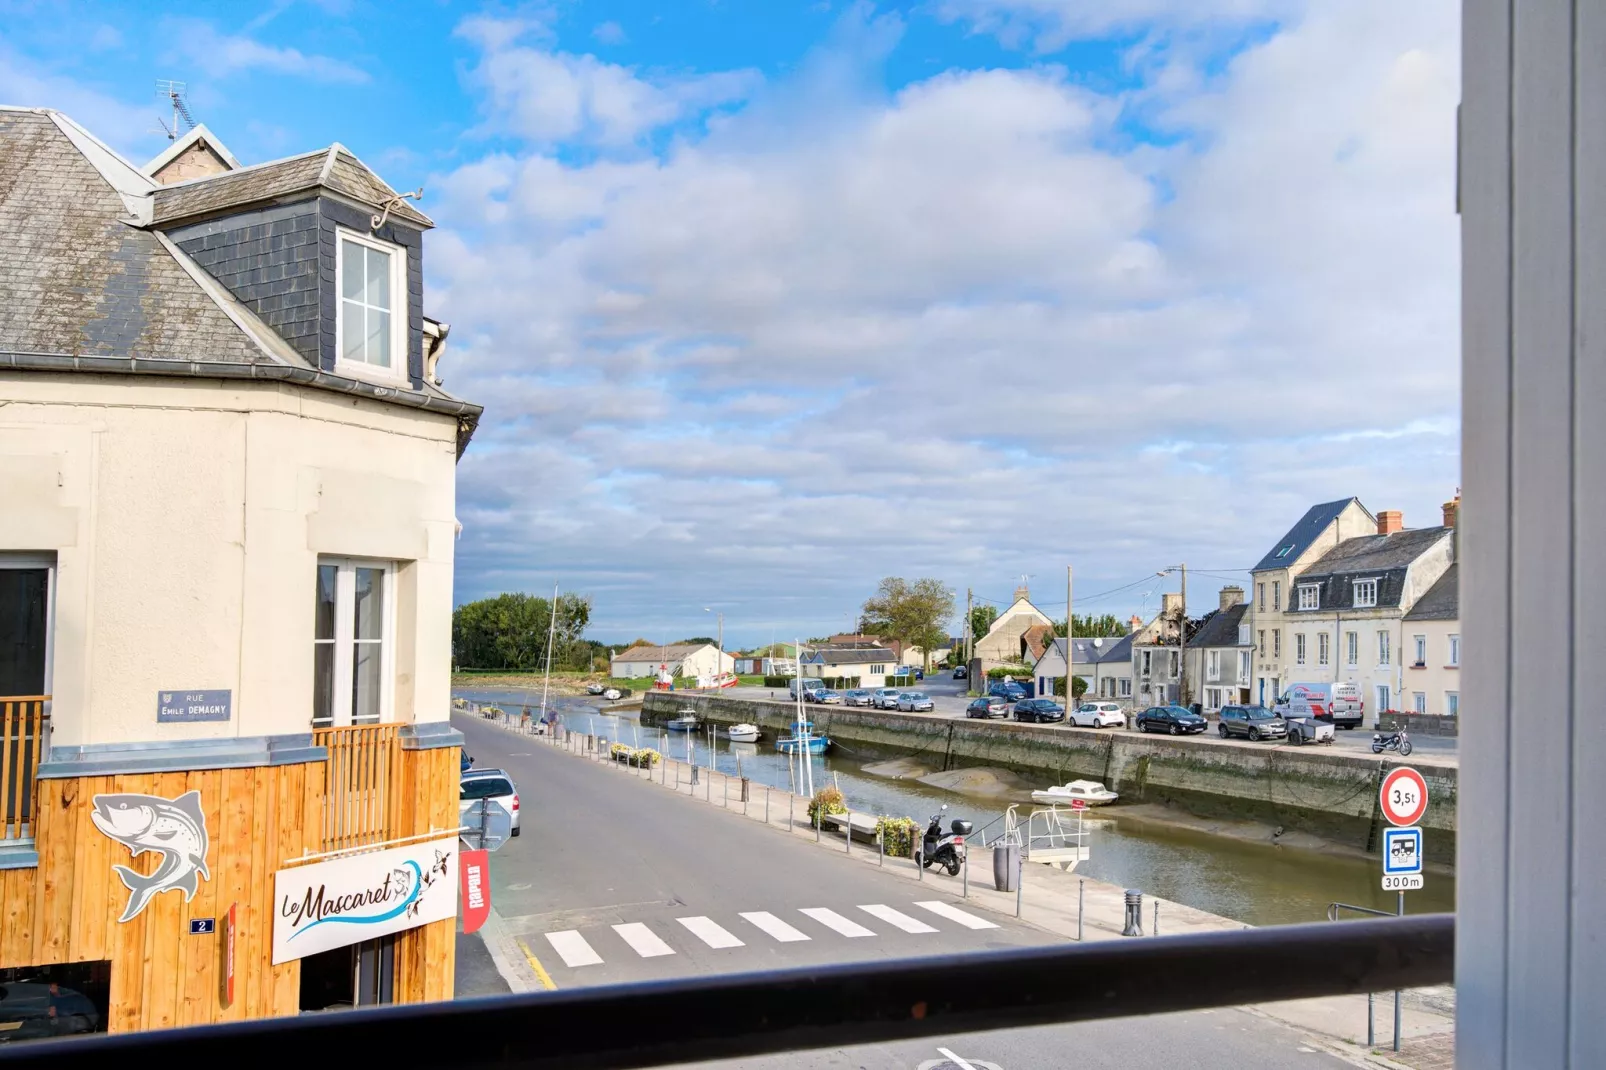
950	697
615	879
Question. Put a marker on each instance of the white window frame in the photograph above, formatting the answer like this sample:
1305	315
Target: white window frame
1276	642
1452	703
46	561
1172	664
345	620
1213	665
1455	652
1243	635
1261	593
1324	653
1352	648
1310	596
1385	697
1419	701
1277	596
400	310
1126	688
1421	642
1243	666
1369	586
1385	648
1146	668
1299	648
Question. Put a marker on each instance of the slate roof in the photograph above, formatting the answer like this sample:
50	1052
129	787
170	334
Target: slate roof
665	653
1442	601
1119	649
1288	548
1220	627
850	656
77	279
1383	557
333	168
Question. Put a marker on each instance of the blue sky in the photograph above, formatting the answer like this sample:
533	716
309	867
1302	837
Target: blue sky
768	300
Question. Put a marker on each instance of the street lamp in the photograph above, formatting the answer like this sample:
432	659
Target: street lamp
721	616
1182	634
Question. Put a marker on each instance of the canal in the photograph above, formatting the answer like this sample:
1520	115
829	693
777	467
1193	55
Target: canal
1259	884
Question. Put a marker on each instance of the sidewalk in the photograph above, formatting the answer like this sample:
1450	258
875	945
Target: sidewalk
1064	904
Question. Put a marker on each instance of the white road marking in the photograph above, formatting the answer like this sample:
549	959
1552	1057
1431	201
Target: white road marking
956	1060
775	927
573	949
832	920
898	918
643	940
710	932
952	913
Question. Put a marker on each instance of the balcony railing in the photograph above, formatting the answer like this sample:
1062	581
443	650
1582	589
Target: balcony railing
359	783
23	726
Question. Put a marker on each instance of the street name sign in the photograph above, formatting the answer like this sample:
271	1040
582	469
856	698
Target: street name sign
1404	796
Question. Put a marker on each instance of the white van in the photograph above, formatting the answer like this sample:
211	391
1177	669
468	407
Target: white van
808	683
1337	704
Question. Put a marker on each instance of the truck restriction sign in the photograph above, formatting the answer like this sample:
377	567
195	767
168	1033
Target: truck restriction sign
1404	796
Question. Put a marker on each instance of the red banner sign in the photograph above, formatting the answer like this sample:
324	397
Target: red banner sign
475	870
230	927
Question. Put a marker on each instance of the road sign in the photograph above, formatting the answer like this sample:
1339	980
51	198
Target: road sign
1405	882
487	824
1402	851
1404	796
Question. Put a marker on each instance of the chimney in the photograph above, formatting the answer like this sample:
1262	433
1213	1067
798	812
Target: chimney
1020	594
1171	605
1452	509
1231	595
1135	624
1389	521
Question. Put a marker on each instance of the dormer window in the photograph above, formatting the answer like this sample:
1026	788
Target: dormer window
372	318
1365	594
1310	596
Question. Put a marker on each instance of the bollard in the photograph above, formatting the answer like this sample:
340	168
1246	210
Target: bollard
1370	1042
1156	918
1134	913
1020	887
791	821
881	847
847	840
817	811
920	863
1081	893
766	804
965	894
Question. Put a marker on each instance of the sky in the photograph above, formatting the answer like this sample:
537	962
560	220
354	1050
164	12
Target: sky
766	301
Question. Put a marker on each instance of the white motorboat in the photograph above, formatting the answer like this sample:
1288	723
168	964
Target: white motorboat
1090	792
744	733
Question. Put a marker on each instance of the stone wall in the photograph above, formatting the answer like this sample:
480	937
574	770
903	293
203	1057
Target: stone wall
1420	724
1312	789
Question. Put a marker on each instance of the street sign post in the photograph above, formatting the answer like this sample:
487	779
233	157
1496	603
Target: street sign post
1402	859
487	825
1404	796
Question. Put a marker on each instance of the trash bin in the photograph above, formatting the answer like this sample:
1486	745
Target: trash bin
1006	866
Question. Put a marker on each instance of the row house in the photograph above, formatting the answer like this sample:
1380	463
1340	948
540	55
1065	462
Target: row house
226	556
1337	612
1430	643
1220	653
1017	636
1104	664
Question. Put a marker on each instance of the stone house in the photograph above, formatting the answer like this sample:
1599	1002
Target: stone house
1018	635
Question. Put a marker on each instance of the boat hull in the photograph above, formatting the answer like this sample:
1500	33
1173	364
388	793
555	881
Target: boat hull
1048	798
814	745
744	737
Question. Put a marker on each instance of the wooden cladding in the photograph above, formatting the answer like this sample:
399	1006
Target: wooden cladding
23	723
359	799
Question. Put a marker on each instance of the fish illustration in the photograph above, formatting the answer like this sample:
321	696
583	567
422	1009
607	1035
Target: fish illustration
173	828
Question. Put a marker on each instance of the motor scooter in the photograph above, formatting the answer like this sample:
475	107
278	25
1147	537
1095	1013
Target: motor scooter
1382	741
946	849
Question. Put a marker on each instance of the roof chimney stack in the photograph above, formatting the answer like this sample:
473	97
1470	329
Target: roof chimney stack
1389	521
1021	594
1452	509
1231	595
1135	624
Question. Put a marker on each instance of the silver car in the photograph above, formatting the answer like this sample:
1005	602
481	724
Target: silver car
915	702
887	698
490	784
858	697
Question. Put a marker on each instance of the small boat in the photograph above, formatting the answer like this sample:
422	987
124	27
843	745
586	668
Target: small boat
803	738
685	722
1090	792
744	733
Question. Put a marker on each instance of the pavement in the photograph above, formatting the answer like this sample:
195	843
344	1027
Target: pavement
624	875
950	697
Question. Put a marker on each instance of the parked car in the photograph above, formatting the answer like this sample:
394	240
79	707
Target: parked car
491	784
806	683
1339	704
858	697
1178	720
595	688
823	695
1251	722
887	698
33	1010
1039	710
1008	690
987	706
915	702
961	673
1099	715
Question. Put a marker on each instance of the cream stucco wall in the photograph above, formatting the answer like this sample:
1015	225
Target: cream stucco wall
187	518
1436	677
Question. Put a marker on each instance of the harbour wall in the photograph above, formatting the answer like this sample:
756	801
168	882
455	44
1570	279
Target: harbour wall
1313	789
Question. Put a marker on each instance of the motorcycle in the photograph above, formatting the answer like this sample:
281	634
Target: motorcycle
1391	741
946	849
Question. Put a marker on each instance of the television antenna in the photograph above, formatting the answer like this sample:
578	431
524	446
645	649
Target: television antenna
174	92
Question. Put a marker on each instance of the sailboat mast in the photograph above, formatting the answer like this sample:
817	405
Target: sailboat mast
551	632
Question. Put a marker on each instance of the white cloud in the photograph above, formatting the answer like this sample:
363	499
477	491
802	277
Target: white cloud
953	332
220	55
545	96
129	128
609	33
1048	25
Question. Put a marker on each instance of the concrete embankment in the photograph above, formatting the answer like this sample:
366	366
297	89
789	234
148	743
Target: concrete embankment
1313	790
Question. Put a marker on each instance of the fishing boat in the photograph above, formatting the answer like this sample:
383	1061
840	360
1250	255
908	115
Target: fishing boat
1090	792
803	739
685	721
744	733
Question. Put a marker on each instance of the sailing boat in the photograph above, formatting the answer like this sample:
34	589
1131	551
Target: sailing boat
802	740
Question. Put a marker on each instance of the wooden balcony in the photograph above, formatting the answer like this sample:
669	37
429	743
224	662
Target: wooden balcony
23	726
361	781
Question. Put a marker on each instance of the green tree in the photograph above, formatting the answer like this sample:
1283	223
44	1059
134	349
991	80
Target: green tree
982	618
510	631
1091	627
916	613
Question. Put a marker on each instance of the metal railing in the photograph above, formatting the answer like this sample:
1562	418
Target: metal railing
24	724
816	1007
358	776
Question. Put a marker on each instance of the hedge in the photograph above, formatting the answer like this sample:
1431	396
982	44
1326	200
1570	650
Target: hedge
1018	672
778	681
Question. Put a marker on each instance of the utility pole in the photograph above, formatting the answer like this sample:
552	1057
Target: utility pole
970	637
1182	639
1070	631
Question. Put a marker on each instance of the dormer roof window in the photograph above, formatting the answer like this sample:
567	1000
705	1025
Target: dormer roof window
370	328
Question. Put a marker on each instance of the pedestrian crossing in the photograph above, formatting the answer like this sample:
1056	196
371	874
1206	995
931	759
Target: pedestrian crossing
761	926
